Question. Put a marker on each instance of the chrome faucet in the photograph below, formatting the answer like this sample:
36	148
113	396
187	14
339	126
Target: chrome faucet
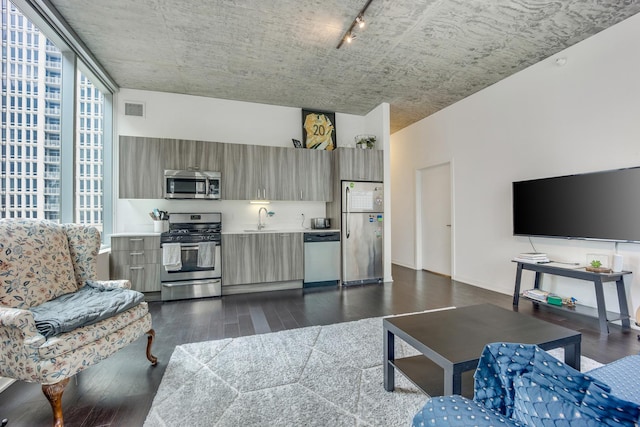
261	224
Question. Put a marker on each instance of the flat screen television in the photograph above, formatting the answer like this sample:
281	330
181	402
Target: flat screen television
599	205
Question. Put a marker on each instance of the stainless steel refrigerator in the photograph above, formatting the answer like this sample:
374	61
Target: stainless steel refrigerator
362	232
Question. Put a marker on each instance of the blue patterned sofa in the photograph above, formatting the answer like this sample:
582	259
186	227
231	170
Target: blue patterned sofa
522	385
41	263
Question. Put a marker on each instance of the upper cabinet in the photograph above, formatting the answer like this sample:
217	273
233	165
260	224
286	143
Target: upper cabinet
142	162
183	154
249	172
242	178
141	165
360	165
257	172
314	175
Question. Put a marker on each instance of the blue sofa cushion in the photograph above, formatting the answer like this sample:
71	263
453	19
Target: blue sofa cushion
616	376
458	411
551	393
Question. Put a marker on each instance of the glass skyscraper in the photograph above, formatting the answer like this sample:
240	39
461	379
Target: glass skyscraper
30	178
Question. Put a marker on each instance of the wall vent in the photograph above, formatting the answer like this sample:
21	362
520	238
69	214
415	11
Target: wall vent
135	109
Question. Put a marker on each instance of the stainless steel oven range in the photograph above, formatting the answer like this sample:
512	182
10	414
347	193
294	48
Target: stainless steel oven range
191	259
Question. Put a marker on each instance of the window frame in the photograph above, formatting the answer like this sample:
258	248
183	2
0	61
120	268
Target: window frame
76	58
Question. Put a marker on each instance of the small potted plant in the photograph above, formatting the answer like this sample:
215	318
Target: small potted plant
596	267
365	141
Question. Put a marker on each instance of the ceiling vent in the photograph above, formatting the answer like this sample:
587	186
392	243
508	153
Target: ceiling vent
135	109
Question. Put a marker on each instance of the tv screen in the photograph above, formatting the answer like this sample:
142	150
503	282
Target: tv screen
600	205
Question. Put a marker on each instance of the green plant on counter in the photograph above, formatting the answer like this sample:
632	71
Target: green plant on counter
368	141
596	263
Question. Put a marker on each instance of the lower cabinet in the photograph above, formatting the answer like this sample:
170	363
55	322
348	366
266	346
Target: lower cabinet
137	259
261	258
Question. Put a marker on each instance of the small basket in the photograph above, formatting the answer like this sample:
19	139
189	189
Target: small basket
598	269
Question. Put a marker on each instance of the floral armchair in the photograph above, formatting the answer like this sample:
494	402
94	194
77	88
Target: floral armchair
40	262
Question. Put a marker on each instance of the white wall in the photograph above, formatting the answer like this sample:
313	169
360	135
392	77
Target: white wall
170	115
547	120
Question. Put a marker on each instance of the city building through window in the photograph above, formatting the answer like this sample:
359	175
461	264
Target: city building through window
36	146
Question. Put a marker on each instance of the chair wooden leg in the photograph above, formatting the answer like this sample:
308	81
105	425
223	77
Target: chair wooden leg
151	336
53	392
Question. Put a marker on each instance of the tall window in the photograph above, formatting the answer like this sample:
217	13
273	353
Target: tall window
34	139
89	149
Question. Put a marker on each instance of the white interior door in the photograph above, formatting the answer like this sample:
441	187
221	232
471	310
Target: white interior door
436	219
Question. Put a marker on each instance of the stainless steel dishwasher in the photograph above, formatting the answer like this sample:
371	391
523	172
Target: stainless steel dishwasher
321	259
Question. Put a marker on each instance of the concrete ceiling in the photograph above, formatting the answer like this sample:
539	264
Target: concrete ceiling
418	55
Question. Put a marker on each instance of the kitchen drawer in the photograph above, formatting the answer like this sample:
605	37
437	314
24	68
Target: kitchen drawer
136	257
143	277
135	243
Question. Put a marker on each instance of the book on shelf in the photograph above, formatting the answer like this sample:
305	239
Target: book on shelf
536	294
532	255
531	260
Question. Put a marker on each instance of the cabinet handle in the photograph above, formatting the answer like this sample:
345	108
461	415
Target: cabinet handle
136	240
264	194
301	195
136	268
136	253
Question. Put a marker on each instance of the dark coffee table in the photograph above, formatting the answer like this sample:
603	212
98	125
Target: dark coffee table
451	342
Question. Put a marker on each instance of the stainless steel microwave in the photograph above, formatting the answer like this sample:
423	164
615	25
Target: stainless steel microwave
191	184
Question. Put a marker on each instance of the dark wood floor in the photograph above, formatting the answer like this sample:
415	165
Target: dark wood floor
119	390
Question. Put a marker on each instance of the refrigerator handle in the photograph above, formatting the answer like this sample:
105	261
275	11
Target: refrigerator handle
347	217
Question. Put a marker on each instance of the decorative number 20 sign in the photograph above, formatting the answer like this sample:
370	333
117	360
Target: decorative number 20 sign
318	130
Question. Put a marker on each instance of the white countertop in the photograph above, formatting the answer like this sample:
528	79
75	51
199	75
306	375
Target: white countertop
266	230
280	230
134	233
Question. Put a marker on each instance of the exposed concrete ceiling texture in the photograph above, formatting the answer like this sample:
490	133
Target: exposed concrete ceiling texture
418	55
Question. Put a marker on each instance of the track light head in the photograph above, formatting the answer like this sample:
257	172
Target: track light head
359	23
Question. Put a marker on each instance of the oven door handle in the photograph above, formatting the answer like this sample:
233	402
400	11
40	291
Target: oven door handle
192	246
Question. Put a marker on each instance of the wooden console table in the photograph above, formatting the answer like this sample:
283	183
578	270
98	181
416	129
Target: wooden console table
580	273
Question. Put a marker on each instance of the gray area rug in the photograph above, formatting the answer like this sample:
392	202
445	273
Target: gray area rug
315	376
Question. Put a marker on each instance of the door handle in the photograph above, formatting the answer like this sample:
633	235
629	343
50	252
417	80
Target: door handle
347	217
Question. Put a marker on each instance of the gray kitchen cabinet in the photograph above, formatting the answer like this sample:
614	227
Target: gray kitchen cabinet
141	168
359	165
261	258
313	177
239	259
273	172
281	257
256	172
286	179
302	174
241	174
253	172
183	154
137	259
